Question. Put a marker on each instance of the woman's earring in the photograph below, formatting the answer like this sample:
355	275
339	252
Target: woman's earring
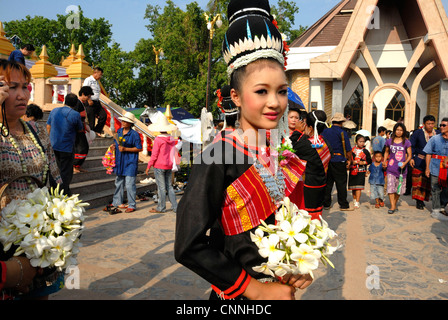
237	122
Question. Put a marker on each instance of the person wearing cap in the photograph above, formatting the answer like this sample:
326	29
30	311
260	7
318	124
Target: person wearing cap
339	141
162	157
63	124
127	146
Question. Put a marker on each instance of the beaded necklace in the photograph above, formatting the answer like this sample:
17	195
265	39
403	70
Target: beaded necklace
19	152
274	183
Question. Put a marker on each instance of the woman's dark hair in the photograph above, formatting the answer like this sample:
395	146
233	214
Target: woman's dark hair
33	110
231	120
403	127
311	120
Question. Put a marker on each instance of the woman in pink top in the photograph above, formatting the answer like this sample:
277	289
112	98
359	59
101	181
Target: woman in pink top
162	160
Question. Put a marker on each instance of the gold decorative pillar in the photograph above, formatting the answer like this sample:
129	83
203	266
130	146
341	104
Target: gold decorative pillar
79	70
41	71
5	45
70	59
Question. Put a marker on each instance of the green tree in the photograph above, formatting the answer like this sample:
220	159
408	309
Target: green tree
94	34
184	37
119	80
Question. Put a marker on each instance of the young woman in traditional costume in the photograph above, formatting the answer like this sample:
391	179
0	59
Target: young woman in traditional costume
315	150
236	181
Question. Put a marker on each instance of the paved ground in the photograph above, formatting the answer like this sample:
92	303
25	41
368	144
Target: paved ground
385	257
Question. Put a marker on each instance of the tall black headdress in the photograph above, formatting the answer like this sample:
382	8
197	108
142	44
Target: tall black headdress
252	34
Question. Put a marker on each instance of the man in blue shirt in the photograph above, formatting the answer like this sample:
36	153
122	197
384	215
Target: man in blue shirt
437	151
339	141
62	125
379	141
19	55
126	164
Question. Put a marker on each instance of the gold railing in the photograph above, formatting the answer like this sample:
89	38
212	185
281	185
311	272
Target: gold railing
139	126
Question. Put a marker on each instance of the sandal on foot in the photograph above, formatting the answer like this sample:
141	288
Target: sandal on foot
108	207
114	210
154	211
129	210
377	205
123	206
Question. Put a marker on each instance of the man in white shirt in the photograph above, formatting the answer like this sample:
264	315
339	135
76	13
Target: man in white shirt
95	109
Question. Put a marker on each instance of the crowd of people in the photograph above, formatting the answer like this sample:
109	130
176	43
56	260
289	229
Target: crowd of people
226	199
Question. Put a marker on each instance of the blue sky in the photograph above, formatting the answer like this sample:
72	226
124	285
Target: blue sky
127	17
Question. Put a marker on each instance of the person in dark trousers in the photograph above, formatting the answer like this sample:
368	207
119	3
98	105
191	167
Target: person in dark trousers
94	109
62	125
82	145
19	55
421	185
339	140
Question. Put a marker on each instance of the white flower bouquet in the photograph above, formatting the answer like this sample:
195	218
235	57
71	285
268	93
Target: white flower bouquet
45	226
295	244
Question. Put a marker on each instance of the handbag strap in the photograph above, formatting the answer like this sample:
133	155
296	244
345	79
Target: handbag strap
43	149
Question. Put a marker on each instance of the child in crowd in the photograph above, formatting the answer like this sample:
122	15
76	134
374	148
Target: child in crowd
376	179
358	169
214	195
398	152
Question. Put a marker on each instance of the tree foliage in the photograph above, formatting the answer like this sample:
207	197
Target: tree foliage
133	78
94	34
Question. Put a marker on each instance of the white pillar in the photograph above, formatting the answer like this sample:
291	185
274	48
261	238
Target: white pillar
55	94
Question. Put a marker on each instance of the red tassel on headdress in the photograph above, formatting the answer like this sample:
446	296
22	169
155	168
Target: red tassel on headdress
220	98
285	44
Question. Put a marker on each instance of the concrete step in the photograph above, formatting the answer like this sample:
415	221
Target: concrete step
97	151
94	185
104	197
97	173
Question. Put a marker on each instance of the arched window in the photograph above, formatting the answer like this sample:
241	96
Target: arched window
353	109
395	108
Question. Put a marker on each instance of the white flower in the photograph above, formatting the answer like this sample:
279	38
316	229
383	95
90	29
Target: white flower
53	226
264	268
306	257
268	249
34	244
29	214
257	237
39	196
62	210
281	269
46	226
292	233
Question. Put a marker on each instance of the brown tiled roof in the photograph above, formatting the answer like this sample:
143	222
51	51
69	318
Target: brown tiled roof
328	30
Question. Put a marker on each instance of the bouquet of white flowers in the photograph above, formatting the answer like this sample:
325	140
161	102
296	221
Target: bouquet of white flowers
45	226
295	244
